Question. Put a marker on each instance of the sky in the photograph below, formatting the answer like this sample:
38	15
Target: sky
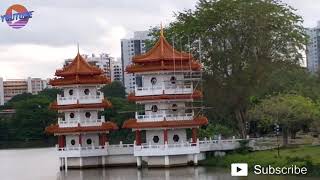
51	36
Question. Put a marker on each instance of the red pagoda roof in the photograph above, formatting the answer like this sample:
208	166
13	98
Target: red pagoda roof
79	66
198	121
163	57
106	126
195	95
79	71
162	50
105	104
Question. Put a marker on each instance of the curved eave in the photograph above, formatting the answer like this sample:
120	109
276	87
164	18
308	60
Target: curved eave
157	59
61	73
105	104
63	81
137	68
106	126
133	124
194	95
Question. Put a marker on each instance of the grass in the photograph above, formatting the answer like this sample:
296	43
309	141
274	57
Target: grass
307	156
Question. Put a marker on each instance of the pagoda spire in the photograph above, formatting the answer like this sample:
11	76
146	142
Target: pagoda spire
78	48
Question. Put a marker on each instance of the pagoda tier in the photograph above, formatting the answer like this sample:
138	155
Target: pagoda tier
195	95
104	104
134	124
105	126
163	57
79	72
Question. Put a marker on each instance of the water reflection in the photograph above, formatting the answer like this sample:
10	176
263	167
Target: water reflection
183	173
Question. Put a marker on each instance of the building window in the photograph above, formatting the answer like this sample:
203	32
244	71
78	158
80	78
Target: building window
89	141
175	138
73	142
87	114
153	81
154	108
173	80
71	92
86	91
174	107
71	115
155	139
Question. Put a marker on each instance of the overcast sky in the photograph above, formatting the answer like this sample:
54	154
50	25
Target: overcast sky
51	36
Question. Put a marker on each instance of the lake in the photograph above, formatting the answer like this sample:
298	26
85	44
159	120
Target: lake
42	164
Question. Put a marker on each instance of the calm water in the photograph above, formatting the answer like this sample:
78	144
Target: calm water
42	164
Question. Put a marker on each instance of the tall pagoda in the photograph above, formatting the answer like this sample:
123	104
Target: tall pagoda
166	88
81	129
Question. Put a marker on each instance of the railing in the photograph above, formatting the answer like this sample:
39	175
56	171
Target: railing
84	122
82	151
164	89
166	149
160	117
219	145
82	99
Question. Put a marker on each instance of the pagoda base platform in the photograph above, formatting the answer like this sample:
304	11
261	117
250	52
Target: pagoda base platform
169	161
97	161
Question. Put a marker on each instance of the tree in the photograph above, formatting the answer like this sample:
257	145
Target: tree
115	89
241	43
291	112
121	111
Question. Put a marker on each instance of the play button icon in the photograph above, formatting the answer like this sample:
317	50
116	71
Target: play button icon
239	169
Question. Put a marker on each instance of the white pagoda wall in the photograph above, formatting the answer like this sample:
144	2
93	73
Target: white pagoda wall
171	132
93	137
92	91
161	78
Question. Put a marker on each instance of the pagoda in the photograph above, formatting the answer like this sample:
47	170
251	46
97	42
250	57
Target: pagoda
81	129
166	88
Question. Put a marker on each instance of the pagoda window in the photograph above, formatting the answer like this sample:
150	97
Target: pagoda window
153	81
71	115
154	108
174	107
155	139
62	94
72	142
86	91
71	92
89	141
175	138
173	80
139	81
88	114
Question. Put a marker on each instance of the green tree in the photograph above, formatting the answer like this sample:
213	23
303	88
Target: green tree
121	111
115	89
241	43
291	112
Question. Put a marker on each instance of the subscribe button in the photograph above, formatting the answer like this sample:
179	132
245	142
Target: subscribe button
241	169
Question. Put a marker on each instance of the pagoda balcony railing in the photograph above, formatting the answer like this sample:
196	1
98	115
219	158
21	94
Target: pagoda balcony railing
83	122
164	89
161	117
82	151
166	149
87	99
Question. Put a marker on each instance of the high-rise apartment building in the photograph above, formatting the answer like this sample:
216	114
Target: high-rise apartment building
313	48
102	61
12	87
116	70
129	48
